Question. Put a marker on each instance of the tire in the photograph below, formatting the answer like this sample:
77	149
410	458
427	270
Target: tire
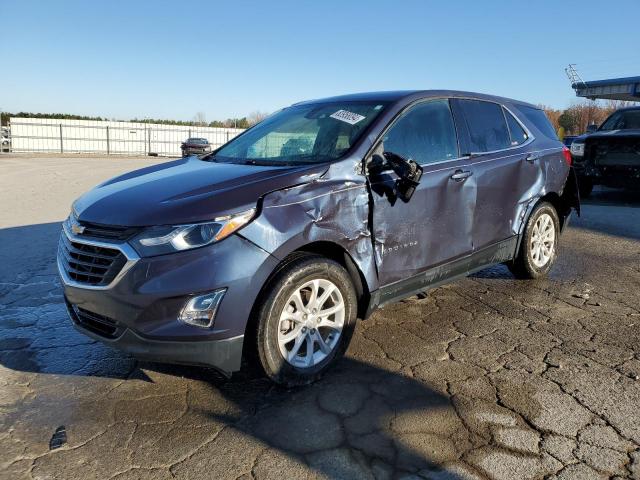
585	187
280	332
530	262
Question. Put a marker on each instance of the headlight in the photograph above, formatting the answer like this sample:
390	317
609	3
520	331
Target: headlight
168	239
577	149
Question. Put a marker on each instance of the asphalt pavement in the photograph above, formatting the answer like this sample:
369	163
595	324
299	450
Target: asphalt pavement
489	377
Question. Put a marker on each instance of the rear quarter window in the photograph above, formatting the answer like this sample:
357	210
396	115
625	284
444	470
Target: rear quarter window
540	120
488	130
518	135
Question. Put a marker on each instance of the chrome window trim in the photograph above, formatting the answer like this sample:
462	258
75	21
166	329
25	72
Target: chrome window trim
485	160
531	138
124	248
524	127
473	160
399	115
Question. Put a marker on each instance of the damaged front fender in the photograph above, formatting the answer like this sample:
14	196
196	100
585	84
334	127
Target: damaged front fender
331	209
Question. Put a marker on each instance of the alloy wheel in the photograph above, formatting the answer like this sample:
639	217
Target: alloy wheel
311	323
543	239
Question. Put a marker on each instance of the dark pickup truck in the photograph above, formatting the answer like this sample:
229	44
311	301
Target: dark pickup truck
610	155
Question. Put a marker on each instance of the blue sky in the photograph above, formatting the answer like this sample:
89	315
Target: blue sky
164	59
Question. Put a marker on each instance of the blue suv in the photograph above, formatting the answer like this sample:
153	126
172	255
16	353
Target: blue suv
274	244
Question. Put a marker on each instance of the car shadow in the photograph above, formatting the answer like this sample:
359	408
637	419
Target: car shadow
357	420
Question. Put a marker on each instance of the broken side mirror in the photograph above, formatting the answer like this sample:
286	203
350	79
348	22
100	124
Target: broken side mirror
409	172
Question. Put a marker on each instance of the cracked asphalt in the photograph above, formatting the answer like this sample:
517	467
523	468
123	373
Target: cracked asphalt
488	377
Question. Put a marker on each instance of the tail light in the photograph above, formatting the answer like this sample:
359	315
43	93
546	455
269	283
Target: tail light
567	155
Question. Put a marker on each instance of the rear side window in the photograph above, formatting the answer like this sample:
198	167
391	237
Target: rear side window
425	133
487	126
518	135
540	120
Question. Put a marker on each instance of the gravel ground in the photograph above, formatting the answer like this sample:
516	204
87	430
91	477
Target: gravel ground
488	377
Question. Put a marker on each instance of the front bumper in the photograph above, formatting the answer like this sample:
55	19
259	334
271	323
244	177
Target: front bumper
224	355
195	151
141	307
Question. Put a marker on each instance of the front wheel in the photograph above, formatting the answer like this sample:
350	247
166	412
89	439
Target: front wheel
539	244
306	321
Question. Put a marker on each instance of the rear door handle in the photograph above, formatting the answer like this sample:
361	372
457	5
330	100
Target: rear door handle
461	175
532	157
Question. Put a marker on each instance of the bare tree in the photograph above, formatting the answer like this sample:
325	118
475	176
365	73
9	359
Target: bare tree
200	119
256	117
583	114
552	114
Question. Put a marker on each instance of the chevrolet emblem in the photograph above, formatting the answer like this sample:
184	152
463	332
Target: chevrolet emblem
77	229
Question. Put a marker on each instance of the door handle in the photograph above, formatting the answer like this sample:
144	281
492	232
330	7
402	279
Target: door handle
532	157
461	175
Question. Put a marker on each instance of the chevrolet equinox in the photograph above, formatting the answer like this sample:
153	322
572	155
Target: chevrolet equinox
274	244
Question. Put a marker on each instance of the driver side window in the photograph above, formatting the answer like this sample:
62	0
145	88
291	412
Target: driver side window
425	133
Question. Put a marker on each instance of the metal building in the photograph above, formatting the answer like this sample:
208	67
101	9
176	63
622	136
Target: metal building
612	89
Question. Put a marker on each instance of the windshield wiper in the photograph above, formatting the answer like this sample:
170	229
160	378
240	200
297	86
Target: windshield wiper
473	154
265	163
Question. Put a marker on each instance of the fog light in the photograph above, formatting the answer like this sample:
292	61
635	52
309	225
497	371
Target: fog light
201	311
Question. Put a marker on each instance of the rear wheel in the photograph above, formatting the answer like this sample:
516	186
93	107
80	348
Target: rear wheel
306	321
538	250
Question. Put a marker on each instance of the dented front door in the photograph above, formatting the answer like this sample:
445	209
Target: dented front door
434	226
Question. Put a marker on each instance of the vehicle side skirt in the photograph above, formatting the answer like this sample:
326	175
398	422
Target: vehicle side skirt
502	251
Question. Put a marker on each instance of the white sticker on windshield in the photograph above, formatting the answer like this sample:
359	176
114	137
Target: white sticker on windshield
346	116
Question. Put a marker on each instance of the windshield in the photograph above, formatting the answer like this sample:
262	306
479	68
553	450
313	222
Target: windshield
197	140
300	134
622	120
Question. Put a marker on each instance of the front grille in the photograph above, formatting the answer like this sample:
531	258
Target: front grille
90	264
94	322
109	232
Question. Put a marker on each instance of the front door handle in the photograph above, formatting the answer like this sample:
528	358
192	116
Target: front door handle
532	157
461	175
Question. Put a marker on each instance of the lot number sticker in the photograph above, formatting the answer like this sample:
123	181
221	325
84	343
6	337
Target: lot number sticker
346	116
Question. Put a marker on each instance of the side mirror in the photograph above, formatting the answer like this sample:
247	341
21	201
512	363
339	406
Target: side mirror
409	172
592	128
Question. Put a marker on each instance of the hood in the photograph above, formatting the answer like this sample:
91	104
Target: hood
185	191
630	132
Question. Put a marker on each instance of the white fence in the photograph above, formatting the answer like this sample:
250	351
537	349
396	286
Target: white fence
118	138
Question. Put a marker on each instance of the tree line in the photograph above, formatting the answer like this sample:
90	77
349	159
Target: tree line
199	120
4	117
575	119
572	120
